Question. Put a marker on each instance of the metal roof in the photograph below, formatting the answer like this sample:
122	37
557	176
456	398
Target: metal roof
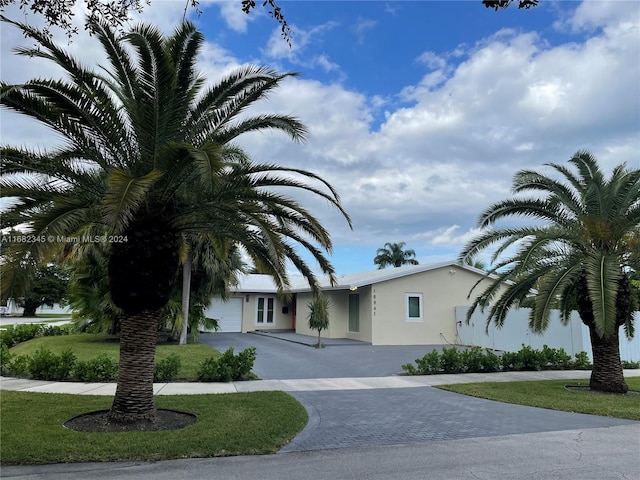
265	284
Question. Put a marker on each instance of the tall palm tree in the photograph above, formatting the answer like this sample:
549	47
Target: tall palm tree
576	254
137	140
395	255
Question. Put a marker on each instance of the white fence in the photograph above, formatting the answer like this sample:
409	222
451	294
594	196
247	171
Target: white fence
573	338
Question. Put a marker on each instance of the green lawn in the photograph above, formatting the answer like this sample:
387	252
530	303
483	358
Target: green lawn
31	430
87	346
552	394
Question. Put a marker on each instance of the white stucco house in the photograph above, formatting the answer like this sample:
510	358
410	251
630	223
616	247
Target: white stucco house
398	306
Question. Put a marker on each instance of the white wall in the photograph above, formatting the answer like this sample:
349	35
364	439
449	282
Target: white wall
573	338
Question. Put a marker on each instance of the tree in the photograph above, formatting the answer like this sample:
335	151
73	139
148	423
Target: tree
138	139
574	253
498	4
59	13
48	287
213	267
393	254
319	312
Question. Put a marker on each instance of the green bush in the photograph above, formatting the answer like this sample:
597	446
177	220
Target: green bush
99	369
228	366
510	361
167	369
429	364
630	365
46	365
581	361
15	334
556	359
472	359
451	360
19	366
5	359
410	369
55	330
490	361
531	359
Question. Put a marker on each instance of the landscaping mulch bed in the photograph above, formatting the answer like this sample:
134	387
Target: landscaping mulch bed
587	389
98	422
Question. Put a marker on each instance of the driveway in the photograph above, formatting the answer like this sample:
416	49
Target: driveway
394	416
281	360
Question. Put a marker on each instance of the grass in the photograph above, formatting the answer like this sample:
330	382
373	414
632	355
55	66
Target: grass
552	394
86	346
31	431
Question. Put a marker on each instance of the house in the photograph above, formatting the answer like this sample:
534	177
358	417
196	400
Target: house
399	306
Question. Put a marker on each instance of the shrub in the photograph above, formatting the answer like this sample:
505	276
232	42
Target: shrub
45	365
429	364
490	361
167	369
16	334
99	369
557	359
510	361
581	361
630	365
472	359
5	359
55	330
410	369
531	359
19	366
228	366
450	360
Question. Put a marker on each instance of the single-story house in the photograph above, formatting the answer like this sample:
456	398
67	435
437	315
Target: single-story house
398	306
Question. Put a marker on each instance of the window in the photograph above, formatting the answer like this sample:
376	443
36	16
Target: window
414	307
265	308
354	312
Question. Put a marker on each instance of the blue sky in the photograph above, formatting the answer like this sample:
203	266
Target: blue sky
419	112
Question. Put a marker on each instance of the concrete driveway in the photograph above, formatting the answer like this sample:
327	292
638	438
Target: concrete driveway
279	359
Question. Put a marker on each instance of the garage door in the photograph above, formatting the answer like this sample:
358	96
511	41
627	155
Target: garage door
228	314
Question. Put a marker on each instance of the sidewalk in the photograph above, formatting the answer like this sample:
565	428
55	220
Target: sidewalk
301	385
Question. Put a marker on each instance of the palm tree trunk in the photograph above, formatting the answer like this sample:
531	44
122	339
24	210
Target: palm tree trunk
133	402
186	292
606	375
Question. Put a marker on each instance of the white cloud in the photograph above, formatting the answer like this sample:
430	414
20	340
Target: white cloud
361	27
435	163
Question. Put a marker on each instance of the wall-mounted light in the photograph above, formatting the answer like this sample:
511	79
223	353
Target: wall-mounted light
353	289
247	298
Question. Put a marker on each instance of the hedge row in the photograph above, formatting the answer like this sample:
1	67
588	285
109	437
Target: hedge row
475	359
15	334
46	365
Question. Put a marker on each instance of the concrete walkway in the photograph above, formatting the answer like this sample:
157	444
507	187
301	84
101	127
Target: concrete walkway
298	385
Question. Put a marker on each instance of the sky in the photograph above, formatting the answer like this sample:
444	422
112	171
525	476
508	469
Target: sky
419	113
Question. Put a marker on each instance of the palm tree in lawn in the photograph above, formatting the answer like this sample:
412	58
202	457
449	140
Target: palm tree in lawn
138	138
394	254
576	254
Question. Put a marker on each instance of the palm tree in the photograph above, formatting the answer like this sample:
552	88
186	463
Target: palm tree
575	255
393	254
212	268
319	314
138	140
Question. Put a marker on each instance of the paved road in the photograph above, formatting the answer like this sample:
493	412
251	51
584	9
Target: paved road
591	454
